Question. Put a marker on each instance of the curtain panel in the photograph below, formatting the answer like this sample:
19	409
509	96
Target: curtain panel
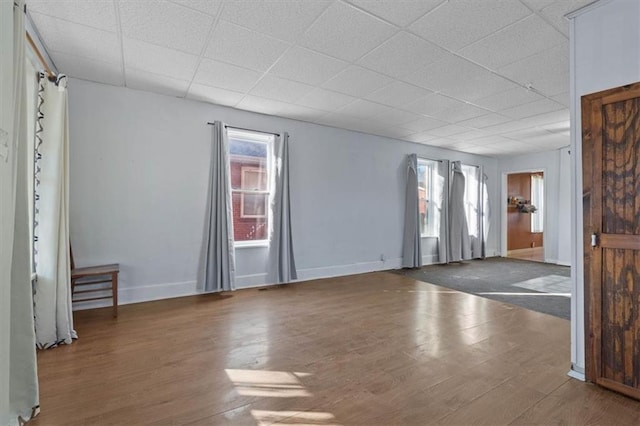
459	243
443	236
52	296
282	266
412	244
18	370
218	247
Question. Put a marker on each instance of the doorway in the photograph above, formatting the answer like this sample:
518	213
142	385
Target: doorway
525	215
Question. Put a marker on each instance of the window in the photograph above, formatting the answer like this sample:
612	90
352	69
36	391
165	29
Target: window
537	200
429	193
250	168
471	198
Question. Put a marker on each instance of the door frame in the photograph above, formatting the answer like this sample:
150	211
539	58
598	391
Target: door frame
504	211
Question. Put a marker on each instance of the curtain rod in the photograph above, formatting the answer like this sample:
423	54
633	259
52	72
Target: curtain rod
40	57
244	128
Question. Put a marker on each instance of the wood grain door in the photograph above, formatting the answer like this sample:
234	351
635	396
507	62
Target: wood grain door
611	200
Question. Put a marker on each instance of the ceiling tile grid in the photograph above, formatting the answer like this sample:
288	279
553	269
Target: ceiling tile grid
488	77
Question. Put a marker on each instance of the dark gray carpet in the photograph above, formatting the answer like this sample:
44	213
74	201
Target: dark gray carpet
497	275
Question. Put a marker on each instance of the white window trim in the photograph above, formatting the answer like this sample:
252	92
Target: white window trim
242	192
268	139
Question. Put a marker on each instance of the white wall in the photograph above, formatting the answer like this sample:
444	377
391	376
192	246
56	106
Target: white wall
557	214
605	53
139	171
6	200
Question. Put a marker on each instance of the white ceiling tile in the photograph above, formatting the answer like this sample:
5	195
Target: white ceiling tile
280	89
261	105
460	79
345	32
325	100
87	69
402	55
461	112
548	118
278	108
159	60
449	130
484	121
225	76
364	109
422	137
538	4
286	19
209	7
423	124
398	94
516	42
531	133
441	142
562	127
307	66
547	71
93	13
398	12
391	132
509	126
458	23
471	135
431	104
166	24
508	99
492	140
396	117
239	46
297	112
143	80
78	40
562	98
556	11
532	108
214	95
357	81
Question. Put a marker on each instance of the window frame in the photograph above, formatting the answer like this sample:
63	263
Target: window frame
245	191
431	166
267	139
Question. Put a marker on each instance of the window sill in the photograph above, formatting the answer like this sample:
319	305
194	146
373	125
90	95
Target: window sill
428	236
250	244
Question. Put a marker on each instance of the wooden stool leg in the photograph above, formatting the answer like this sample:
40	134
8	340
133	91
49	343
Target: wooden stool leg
114	290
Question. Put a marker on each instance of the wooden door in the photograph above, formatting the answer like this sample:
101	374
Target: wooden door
611	200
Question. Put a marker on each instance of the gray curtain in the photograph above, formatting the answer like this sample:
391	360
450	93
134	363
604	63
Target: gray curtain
218	251
282	265
411	246
443	207
486	214
459	244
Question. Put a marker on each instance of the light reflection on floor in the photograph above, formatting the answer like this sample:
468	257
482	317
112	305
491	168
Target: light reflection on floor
278	384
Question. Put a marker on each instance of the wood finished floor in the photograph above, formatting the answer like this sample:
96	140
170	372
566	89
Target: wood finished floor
535	254
372	349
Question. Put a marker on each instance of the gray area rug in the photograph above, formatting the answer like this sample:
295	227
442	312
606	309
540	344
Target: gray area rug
537	286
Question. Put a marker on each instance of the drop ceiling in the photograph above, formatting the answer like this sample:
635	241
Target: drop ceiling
488	77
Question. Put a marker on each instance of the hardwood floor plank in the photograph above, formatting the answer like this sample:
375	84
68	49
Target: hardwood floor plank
376	348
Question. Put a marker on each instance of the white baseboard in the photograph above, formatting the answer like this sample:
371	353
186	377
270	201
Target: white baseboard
128	294
576	373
